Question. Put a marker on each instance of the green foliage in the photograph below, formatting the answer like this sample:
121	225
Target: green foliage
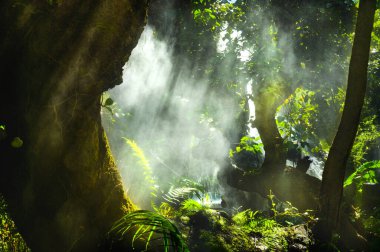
148	226
272	232
214	230
363	174
249	144
248	154
330	101
296	120
176	195
111	107
108	102
143	162
277	229
210	14
336	99
204	14
10	239
191	206
166	210
372	222
244	217
285	213
182	190
375	39
200	188
186	189
271	201
322	148
367	133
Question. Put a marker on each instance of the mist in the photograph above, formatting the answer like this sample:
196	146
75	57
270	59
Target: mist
171	125
182	126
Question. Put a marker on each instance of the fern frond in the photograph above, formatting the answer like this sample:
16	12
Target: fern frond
177	195
143	162
148	224
182	190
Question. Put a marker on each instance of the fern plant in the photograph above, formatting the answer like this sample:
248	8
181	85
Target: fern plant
191	206
182	190
143	162
177	195
149	226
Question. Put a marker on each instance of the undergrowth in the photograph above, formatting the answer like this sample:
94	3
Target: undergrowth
147	227
10	238
185	219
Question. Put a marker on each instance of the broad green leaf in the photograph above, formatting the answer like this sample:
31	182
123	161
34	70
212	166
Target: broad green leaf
108	102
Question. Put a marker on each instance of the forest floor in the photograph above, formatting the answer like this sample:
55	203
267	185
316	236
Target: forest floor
282	228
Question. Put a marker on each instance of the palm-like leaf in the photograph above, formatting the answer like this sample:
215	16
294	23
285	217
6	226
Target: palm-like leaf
149	226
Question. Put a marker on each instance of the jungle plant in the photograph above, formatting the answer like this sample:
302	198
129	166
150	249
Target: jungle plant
244	217
166	210
371	222
271	231
368	132
113	109
10	239
175	196
364	174
185	189
107	104
148	227
296	119
191	206
179	191
143	162
182	190
250	144
285	213
275	228
248	154
212	14
272	204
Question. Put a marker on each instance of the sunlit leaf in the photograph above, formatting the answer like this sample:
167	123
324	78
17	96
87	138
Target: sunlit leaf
108	102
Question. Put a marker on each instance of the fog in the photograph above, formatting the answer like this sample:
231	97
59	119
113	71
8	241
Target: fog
181	126
172	126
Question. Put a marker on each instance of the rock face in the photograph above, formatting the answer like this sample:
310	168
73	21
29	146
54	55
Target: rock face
57	57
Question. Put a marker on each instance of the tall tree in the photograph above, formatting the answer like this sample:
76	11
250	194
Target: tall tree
289	44
57	173
333	175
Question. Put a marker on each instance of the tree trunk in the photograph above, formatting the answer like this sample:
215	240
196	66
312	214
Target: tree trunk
265	122
57	57
333	175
